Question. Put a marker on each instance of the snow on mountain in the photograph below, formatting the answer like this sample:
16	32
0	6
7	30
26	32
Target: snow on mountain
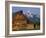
33	17
29	15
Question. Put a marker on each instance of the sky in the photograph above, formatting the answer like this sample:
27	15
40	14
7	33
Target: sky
25	10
